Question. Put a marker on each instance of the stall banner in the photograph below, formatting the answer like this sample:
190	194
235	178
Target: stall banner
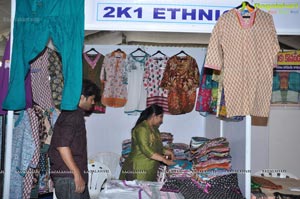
180	16
286	79
289	60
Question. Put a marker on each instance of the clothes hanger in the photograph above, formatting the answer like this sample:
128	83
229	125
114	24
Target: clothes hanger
158	52
245	4
91	50
244	7
181	52
139	49
118	50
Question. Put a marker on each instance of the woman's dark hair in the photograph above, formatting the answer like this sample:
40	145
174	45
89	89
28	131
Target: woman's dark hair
89	88
156	109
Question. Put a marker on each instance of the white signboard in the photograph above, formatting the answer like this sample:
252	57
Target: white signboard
180	16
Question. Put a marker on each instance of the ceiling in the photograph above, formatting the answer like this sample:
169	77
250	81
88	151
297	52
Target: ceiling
288	42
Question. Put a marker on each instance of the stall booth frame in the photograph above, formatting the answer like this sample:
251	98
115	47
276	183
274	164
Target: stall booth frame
9	133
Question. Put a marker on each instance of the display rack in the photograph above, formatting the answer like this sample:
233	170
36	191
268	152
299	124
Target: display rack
9	132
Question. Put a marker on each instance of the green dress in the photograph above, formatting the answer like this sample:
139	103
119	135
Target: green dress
138	165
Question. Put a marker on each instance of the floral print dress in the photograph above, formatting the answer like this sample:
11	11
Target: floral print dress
112	74
181	78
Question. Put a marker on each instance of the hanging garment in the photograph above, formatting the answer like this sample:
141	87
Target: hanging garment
44	177
38	124
4	75
27	183
40	82
181	78
45	130
22	152
137	95
205	92
4	80
34	124
56	77
34	183
92	65
223	110
245	50
155	68
113	76
35	22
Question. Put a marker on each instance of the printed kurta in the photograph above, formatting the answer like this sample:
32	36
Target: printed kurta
181	78
245	49
112	74
92	65
154	71
22	152
40	81
56	77
138	165
137	95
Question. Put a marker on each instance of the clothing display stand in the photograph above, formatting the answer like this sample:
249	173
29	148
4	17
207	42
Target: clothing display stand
9	131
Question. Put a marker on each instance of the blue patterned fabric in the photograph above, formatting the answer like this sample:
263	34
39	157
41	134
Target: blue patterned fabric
22	152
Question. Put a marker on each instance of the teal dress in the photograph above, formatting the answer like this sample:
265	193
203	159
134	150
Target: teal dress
138	165
35	23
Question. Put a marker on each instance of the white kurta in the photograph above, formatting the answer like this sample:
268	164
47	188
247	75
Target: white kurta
137	95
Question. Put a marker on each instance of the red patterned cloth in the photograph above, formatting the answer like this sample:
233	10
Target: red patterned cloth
181	78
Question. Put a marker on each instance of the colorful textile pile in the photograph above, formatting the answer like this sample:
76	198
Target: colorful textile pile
183	167
210	157
166	138
126	148
179	149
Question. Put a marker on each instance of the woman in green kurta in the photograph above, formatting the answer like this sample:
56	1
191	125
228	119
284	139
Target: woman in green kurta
146	147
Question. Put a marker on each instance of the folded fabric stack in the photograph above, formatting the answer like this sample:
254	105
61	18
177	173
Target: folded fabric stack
166	138
183	167
179	149
196	142
210	157
126	148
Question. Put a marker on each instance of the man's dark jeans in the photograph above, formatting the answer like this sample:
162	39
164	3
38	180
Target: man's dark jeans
65	189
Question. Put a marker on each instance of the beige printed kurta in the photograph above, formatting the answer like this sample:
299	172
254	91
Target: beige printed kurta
245	49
